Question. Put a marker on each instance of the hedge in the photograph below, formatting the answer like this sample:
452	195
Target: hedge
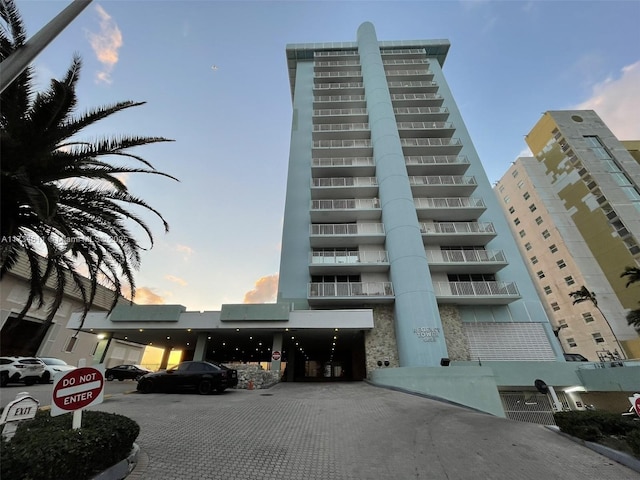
47	448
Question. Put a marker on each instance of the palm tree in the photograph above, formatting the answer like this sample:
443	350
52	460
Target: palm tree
63	206
633	276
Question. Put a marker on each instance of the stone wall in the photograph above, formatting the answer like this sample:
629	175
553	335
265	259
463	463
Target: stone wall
380	343
455	337
259	377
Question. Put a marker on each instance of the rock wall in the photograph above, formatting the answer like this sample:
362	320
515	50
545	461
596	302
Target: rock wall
455	337
380	343
254	373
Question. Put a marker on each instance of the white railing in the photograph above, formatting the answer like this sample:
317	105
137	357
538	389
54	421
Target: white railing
337	86
430	142
345	204
435	159
340	127
339	289
336	53
449	202
475	289
348	257
393	73
462	228
337	63
354	73
341	229
401	51
424	125
442	180
420	110
415	96
464	256
339	98
343	162
360	143
344	182
412	84
331	112
417	61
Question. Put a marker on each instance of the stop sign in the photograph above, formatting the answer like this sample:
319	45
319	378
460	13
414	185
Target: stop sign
77	389
275	355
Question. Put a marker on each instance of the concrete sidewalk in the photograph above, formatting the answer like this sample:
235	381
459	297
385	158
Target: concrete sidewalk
344	431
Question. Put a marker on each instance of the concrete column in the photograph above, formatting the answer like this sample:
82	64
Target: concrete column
418	326
276	365
165	358
100	354
200	352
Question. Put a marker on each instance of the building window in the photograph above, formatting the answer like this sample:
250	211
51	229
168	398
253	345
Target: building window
532	207
569	280
540	274
506	199
561	264
71	343
597	337
597	147
539	220
534	260
520	183
546	234
512	210
588	318
562	323
547	290
514	173
571	342
501	188
522	233
516	221
553	248
526	195
555	307
527	246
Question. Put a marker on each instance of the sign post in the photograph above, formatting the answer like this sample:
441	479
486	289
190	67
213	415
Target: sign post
77	389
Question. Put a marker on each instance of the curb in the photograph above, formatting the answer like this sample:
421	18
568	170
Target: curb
122	469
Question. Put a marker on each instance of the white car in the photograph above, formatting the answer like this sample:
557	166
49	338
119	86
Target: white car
52	367
27	370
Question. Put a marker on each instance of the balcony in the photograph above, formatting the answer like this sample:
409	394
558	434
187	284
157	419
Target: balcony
336	65
442	186
340	235
345	210
416	100
452	208
336	53
438	164
430	146
413	87
476	293
403	52
412	75
411	114
457	233
342	115
337	131
350	293
415	61
338	77
339	101
343	148
343	88
425	129
348	262
466	261
339	187
347	166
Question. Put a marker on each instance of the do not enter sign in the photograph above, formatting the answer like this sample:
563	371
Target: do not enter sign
77	389
275	355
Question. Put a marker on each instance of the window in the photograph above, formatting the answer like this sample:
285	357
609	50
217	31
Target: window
527	246
597	147
553	248
547	290
516	221
71	343
587	317
561	264
546	234
501	188
506	199
514	173
534	260
522	233
597	337
526	195
540	274
562	323
569	280
512	210
571	342
520	183
532	207
539	220
555	307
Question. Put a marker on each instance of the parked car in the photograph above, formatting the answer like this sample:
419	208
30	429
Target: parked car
574	357
53	366
202	377
126	372
27	370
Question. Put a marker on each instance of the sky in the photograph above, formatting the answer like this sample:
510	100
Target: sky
509	62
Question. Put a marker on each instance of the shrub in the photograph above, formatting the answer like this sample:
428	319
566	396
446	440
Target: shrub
47	448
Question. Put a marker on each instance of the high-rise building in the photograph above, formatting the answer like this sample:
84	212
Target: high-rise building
575	211
388	207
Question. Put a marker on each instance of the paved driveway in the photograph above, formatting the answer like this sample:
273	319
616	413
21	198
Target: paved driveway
344	431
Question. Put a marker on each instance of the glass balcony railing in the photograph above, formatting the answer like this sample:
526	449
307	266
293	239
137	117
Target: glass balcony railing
476	289
339	289
348	257
346	229
344	182
466	256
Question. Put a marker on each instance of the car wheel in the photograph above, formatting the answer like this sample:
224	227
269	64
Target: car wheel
4	379
146	387
138	377
29	382
121	379
220	389
110	377
204	387
46	376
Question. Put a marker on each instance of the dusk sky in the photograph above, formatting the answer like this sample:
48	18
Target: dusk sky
509	62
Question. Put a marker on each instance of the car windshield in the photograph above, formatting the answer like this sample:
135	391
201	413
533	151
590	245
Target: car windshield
30	361
53	361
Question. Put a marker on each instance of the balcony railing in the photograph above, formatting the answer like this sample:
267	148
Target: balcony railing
340	127
345	204
337	63
339	98
476	289
336	53
418	61
397	73
360	143
344	182
466	256
333	112
419	110
430	142
435	159
423	125
442	180
461	228
337	86
402	51
362	289
346	229
415	96
343	162
412	84
354	73
450	202
348	257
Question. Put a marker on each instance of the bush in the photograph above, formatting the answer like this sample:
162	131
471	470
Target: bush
47	448
599	427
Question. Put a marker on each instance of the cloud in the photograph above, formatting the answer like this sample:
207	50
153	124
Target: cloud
106	44
177	280
265	291
617	102
145	296
188	251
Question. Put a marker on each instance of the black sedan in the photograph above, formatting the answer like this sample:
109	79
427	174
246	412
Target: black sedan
202	377
125	372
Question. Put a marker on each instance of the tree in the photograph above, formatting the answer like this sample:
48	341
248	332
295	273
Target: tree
63	206
633	276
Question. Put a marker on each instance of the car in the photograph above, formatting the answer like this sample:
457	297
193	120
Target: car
574	357
52	367
126	372
199	376
27	370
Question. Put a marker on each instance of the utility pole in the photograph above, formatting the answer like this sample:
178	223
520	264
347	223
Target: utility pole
18	61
